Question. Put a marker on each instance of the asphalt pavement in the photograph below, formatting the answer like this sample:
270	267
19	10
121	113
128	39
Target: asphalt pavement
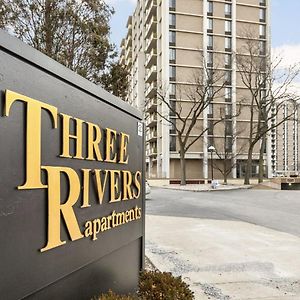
241	244
275	209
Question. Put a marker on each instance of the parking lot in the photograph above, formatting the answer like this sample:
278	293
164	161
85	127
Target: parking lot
241	244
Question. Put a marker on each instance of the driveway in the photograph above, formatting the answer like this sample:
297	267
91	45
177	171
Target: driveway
227	245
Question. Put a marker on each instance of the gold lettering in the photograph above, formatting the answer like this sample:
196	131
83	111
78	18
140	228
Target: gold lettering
55	208
109	220
100	186
123	148
103	224
96	228
137	179
120	218
88	229
86	188
93	142
111	136
33	135
114	185
113	219
127	181
67	136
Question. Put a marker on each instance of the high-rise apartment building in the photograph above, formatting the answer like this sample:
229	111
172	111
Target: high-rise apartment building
167	44
287	144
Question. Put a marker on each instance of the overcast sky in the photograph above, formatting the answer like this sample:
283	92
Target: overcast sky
285	19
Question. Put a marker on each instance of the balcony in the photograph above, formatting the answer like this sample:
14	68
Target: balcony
129	62
151	26
150	90
151	74
151	136
152	151
151	42
150	3
151	11
122	60
151	58
151	105
129	29
151	121
128	54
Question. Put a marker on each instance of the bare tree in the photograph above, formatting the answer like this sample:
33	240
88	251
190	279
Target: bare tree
269	88
184	114
74	33
226	155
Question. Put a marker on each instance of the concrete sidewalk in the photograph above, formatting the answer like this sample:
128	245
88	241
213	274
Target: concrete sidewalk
205	187
226	259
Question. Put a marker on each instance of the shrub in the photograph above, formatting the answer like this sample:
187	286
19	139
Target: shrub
112	296
156	285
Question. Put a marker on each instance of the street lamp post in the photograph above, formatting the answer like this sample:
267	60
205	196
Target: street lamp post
211	149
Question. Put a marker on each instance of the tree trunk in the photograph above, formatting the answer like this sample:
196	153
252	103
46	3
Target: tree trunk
182	167
248	173
224	171
261	160
225	178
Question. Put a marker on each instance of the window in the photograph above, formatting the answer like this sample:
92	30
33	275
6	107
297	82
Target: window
227	10
210	75
210	92
210	42
227	44
172	55
227	60
172	126
172	38
209	25
210	110
172	20
228	143
262	15
228	77
228	94
209	59
172	74
262	31
263	95
172	4
210	125
262	47
172	143
227	27
228	128
228	110
172	110
210	8
172	91
262	2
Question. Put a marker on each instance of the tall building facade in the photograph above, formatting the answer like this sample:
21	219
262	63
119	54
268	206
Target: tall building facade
287	144
167	44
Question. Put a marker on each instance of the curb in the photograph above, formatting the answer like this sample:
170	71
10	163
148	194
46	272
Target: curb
204	190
